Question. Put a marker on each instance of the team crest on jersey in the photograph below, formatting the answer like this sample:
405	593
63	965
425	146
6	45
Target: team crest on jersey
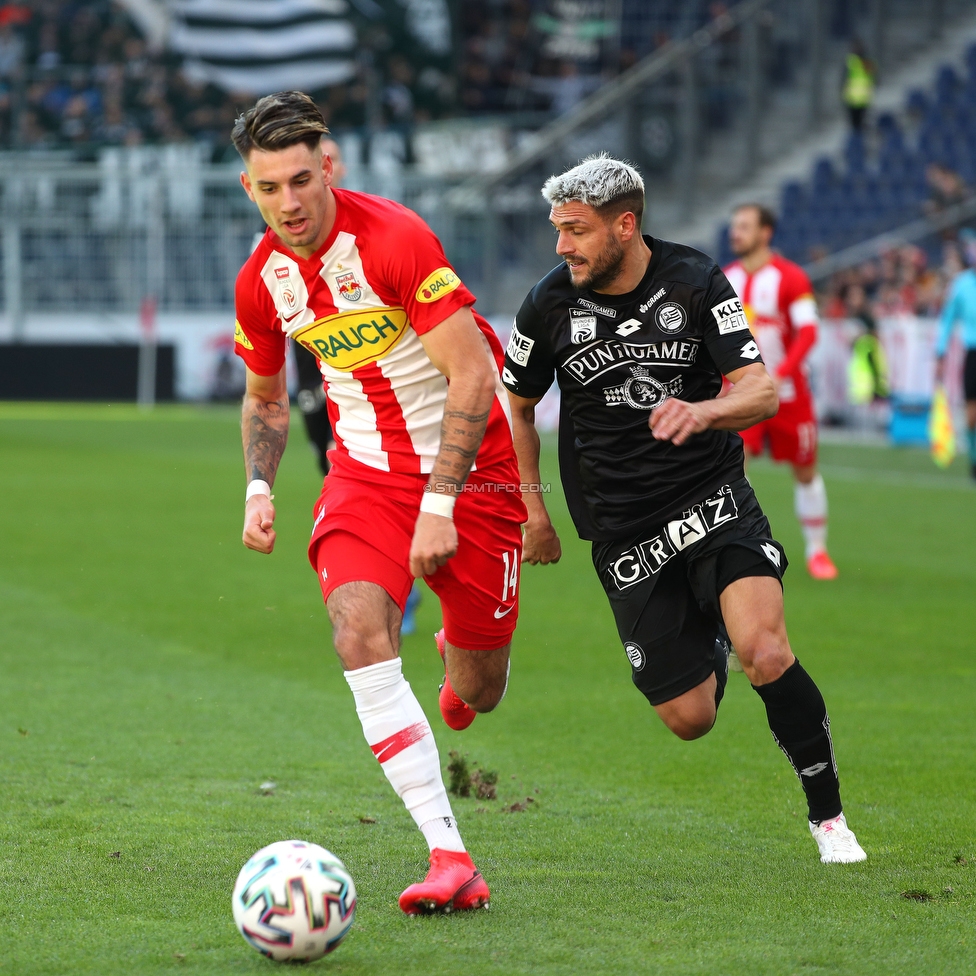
442	282
670	318
583	325
286	290
635	654
348	286
642	391
352	340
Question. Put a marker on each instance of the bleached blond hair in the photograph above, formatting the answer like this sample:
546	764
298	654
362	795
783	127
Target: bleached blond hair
600	181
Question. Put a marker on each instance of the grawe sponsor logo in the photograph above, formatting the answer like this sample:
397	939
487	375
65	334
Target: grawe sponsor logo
650	302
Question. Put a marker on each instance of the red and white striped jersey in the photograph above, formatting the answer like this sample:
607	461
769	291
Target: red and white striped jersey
359	304
778	302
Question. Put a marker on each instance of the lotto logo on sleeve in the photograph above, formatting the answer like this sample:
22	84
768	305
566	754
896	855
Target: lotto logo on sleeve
442	282
730	317
519	347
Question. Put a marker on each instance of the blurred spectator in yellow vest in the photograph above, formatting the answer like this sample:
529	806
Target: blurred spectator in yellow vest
858	84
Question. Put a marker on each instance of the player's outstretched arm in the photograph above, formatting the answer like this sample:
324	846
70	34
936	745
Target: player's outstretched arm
264	430
459	350
540	544
751	400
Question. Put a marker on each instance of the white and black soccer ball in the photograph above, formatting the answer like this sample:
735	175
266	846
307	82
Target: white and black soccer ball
294	901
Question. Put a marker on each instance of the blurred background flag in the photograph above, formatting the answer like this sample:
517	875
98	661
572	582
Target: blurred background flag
942	437
263	46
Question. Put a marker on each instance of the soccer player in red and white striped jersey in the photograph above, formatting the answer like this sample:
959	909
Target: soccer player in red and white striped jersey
778	300
424	480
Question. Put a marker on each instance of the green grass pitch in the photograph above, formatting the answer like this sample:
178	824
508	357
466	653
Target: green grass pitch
155	674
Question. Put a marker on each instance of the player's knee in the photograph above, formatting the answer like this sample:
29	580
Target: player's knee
360	643
765	656
689	717
689	728
692	724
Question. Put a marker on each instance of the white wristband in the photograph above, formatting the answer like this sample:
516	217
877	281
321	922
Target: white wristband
438	503
257	487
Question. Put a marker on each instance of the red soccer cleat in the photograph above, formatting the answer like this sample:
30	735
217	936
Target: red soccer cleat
453	884
457	714
821	566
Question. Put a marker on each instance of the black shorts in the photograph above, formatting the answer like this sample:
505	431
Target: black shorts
664	586
969	375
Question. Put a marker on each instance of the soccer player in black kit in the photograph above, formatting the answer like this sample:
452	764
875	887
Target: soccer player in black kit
638	333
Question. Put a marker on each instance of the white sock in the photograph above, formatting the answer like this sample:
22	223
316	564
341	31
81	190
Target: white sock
443	832
810	502
399	735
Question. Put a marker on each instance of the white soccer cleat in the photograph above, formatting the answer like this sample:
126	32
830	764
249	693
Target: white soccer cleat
837	842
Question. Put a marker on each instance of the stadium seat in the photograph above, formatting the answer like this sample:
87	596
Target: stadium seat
876	192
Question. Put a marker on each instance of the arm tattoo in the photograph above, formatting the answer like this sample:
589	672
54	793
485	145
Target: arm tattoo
461	436
264	426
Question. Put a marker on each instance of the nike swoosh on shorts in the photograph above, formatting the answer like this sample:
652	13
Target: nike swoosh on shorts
498	615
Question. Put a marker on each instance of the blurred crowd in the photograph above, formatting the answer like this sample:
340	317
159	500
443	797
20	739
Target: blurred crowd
543	55
78	73
903	280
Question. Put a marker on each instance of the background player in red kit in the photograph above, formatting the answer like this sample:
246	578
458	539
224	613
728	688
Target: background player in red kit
424	480
778	300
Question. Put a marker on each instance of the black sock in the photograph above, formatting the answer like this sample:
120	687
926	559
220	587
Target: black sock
721	667
798	720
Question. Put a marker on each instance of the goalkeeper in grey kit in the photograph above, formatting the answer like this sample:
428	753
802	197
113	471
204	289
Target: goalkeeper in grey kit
638	333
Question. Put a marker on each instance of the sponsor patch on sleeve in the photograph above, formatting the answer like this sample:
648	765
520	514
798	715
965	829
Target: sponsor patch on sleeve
442	282
240	337
519	347
730	317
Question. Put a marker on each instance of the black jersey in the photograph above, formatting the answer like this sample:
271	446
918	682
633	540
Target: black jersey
616	357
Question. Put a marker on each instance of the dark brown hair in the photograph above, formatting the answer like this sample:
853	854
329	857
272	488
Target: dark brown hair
277	122
766	216
627	203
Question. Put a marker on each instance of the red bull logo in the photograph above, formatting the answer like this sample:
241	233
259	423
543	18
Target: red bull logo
348	286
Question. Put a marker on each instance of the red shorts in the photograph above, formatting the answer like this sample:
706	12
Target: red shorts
364	522
792	434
